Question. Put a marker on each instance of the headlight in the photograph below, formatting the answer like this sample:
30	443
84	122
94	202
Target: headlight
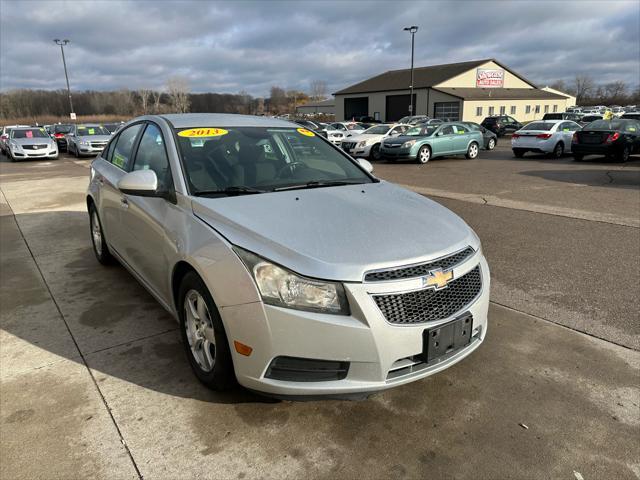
13	144
362	144
408	144
283	288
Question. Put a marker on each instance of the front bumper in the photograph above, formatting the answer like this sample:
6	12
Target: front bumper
398	153
90	150
49	153
359	152
381	355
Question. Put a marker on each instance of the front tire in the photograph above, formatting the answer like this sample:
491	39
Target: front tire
203	336
518	152
98	241
472	151
424	154
375	154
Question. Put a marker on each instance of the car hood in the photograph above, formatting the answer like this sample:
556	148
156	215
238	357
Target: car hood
404	138
338	233
94	138
365	136
32	141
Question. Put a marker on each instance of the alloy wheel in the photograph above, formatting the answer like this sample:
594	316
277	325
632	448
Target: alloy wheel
492	144
199	330
473	151
424	155
96	233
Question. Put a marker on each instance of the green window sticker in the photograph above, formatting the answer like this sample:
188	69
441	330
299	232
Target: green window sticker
118	160
632	129
566	130
92	131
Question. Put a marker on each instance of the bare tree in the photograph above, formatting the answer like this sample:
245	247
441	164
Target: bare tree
156	95
318	90
145	99
178	91
583	86
616	90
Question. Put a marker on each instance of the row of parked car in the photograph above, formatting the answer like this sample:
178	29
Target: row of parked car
616	110
25	141
616	138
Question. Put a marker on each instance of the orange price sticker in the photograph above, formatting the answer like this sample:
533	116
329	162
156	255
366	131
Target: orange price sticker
203	132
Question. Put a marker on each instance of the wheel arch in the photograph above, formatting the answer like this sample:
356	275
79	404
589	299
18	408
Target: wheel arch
180	270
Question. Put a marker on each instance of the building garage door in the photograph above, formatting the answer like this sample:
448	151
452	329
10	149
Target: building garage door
447	110
398	107
356	107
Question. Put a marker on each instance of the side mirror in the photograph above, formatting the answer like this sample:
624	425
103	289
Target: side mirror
365	164
142	183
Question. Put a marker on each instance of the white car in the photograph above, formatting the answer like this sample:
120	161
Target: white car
31	142
336	132
548	136
367	144
4	136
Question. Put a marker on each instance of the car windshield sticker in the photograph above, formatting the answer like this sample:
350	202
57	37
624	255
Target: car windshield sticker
566	130
202	132
305	132
92	131
632	129
118	160
29	134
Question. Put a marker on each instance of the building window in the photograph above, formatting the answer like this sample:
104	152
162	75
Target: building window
491	111
527	109
513	110
555	108
478	111
546	109
503	110
537	108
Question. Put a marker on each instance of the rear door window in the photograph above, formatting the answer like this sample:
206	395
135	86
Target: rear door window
123	149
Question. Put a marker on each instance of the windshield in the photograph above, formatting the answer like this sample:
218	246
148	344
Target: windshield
261	159
62	128
90	131
421	131
354	126
29	133
619	125
377	130
538	126
112	127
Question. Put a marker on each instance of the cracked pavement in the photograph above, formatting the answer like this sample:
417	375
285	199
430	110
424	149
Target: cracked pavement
94	382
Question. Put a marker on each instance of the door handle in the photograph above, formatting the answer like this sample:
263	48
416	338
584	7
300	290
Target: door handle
124	203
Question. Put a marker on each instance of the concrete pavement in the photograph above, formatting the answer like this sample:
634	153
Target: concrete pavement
94	382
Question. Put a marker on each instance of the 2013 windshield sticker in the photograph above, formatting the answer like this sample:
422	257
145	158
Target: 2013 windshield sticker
304	131
202	132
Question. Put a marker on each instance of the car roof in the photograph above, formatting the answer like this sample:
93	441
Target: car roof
551	120
191	120
89	125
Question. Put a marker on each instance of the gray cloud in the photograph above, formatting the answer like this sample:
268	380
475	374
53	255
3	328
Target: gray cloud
233	46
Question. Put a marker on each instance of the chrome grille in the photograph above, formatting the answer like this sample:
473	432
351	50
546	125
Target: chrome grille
98	144
429	305
411	271
348	145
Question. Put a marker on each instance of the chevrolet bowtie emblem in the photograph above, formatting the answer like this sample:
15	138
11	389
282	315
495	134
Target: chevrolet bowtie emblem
437	279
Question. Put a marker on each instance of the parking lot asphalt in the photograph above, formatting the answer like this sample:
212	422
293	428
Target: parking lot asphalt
94	382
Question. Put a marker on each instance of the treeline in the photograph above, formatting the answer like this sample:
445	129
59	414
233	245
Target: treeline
588	92
25	103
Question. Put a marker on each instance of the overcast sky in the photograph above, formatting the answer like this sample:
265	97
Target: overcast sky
234	46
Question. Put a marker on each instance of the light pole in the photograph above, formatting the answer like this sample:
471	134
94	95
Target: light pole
412	30
62	43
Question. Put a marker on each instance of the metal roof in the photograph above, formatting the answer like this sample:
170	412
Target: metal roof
423	77
187	120
501	93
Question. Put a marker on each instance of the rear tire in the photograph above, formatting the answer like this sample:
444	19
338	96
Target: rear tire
624	155
518	152
491	144
424	154
203	336
98	240
472	151
558	150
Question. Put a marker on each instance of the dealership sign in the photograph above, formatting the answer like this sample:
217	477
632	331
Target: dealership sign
490	78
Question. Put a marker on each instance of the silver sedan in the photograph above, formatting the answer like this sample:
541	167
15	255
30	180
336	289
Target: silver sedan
87	139
290	267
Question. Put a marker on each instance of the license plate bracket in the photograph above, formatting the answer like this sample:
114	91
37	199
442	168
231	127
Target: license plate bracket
446	339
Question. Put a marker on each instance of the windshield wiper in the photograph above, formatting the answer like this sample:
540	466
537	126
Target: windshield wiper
318	184
234	190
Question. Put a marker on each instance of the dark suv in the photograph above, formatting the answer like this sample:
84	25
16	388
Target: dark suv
501	124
